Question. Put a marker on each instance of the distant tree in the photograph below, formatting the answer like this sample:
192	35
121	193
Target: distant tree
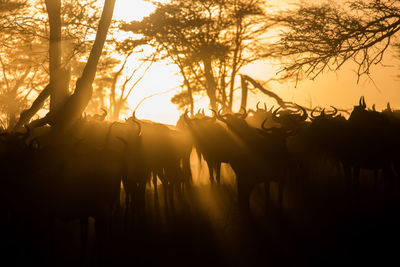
20	60
124	79
209	41
7	6
317	38
20	77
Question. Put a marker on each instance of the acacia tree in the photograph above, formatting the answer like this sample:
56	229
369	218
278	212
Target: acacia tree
209	41
123	80
316	38
75	104
74	22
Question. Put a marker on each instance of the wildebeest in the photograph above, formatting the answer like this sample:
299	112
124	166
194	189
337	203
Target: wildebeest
365	141
76	176
164	154
263	156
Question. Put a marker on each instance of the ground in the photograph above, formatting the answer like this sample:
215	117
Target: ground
322	223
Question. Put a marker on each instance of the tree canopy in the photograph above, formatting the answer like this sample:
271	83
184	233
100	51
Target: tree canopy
26	30
210	41
320	37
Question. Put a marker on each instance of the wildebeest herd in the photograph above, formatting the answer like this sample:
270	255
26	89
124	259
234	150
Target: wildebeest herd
82	172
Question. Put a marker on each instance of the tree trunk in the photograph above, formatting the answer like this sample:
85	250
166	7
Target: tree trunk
12	110
236	57
58	86
59	90
211	86
191	102
77	102
244	92
190	92
223	88
116	110
232	87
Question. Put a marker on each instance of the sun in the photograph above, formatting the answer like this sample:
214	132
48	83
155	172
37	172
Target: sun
129	10
154	92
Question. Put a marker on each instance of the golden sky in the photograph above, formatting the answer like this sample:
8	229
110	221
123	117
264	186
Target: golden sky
339	89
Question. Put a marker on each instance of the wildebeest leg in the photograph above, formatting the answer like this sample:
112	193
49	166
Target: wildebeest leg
164	182
127	209
155	185
84	225
142	198
267	194
128	200
244	190
211	171
218	172
175	175
281	187
171	195
115	210
170	176
186	170
100	231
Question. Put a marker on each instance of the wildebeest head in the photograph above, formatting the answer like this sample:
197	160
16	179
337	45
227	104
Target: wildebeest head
290	118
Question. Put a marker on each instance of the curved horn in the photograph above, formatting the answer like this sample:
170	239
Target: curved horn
134	115
323	112
267	129
257	106
220	116
272	108
274	114
312	113
303	116
362	102
263	124
139	130
334	111
214	112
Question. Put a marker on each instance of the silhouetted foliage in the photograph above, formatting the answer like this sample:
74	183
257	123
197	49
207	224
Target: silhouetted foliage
30	31
7	6
321	37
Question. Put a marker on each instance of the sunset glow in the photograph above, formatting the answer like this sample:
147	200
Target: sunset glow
340	89
199	132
